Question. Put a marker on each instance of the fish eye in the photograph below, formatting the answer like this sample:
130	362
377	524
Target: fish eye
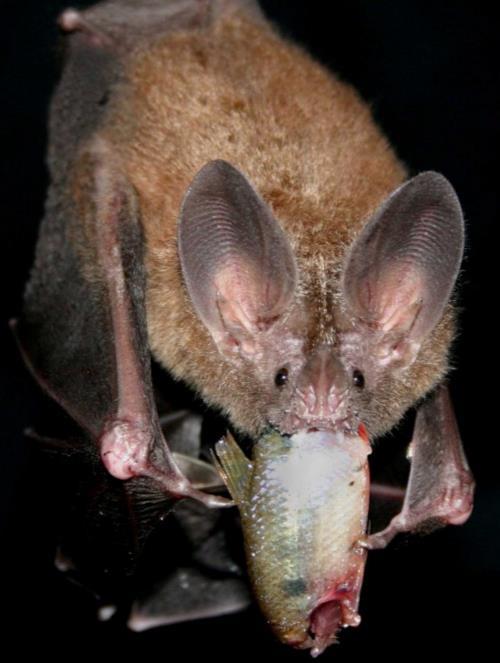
358	379
281	377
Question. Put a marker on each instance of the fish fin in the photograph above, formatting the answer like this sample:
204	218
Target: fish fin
233	466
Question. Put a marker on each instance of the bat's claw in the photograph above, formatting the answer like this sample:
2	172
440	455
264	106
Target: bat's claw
179	486
209	500
381	539
365	543
188	480
378	540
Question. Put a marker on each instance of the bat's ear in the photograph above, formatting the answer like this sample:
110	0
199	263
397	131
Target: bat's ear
238	266
401	270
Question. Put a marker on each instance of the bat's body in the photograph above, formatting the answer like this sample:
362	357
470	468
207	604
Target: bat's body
219	93
222	201
310	149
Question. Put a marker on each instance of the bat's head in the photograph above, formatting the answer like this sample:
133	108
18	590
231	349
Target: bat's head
380	345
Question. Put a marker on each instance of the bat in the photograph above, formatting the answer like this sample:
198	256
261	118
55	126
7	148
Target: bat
263	244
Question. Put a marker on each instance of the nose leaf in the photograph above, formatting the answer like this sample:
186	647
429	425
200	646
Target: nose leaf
321	386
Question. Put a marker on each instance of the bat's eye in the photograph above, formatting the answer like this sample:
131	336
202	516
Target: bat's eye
281	377
358	379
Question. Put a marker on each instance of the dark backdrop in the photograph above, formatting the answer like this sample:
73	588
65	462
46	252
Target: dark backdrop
430	73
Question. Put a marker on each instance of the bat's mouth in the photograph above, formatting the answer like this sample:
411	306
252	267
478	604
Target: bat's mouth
361	431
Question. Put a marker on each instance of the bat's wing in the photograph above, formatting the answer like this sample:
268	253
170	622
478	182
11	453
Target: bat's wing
440	487
104	545
84	334
83	330
189	594
122	23
207	582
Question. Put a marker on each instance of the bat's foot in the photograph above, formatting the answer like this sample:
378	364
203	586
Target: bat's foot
457	500
125	446
125	452
452	506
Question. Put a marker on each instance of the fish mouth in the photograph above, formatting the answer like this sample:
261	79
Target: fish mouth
325	622
337	609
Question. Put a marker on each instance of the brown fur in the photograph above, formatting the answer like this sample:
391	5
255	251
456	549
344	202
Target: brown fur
237	91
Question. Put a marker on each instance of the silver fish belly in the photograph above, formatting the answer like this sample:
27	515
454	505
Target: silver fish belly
303	502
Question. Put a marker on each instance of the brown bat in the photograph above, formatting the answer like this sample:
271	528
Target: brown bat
221	202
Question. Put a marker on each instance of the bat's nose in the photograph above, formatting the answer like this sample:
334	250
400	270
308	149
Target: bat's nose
322	386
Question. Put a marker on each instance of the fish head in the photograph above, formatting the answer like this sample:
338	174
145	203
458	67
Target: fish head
319	627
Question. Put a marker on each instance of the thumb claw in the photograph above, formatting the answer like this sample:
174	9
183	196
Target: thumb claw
363	542
209	500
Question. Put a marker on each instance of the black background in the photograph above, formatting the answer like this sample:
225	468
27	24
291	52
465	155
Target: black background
430	73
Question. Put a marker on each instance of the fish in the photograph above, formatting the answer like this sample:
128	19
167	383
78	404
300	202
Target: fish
303	501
